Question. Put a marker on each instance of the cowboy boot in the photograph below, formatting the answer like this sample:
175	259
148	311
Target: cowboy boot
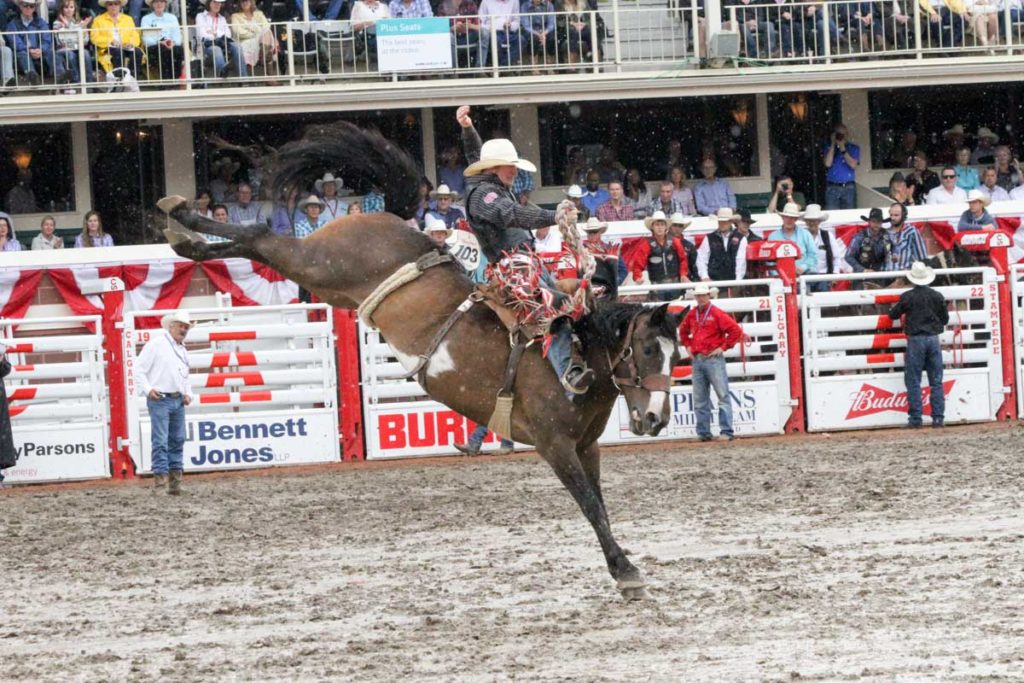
159	481
174	483
577	377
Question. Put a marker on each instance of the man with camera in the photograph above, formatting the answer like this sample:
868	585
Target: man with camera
841	158
784	194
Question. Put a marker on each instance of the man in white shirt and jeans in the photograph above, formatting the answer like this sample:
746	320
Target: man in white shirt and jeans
162	371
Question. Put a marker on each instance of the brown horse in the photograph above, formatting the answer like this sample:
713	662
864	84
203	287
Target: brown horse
629	346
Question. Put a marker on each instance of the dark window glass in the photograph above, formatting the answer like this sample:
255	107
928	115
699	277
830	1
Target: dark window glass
251	139
637	134
44	152
920	117
488	122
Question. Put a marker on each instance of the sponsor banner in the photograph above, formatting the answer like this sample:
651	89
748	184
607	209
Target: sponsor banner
755	410
865	401
414	44
424	428
417	428
244	440
59	452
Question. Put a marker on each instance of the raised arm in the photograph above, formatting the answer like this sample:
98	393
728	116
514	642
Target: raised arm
471	142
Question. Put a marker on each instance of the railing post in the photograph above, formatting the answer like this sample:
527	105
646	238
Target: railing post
493	28
1009	28
595	45
81	60
291	53
917	33
186	51
826	20
615	35
305	11
695	29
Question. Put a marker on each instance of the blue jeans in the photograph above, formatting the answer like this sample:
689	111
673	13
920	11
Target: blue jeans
167	416
924	353
761	42
214	52
841	196
44	65
135	11
819	286
476	439
6	64
70	60
709	371
332	12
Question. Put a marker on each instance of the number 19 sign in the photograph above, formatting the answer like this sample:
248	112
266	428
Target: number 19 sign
414	44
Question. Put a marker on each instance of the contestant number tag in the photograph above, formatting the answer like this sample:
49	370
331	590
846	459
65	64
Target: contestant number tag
465	248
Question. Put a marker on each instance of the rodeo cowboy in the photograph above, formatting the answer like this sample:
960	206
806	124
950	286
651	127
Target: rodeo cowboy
503	225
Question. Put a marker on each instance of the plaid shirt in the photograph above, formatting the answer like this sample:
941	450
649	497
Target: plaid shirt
907	247
523	181
303	227
373	202
415	10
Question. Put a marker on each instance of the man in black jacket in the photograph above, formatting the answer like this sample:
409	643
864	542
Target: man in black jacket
8	454
926	318
503	226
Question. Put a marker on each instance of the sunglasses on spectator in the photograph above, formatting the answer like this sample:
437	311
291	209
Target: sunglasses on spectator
949	176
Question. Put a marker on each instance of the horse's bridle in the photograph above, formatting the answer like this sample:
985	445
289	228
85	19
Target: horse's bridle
651	382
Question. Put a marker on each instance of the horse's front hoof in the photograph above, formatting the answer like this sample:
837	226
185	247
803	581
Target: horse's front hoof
635	594
169	204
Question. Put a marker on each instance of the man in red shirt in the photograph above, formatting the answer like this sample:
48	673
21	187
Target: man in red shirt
707	333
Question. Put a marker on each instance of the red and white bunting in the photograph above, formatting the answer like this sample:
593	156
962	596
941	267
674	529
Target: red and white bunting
250	283
17	288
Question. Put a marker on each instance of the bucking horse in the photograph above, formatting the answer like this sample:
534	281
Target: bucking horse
353	262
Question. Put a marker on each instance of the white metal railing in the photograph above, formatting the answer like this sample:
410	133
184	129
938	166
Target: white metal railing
843	31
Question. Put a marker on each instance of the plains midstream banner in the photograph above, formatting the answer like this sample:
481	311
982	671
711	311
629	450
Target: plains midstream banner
55	453
422	428
222	442
870	401
414	44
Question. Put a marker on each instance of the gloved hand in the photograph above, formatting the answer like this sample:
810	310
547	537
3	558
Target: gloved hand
566	211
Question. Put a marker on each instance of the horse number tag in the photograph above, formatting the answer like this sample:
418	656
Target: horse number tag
465	248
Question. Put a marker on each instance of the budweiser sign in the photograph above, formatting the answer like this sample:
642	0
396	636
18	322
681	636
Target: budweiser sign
869	400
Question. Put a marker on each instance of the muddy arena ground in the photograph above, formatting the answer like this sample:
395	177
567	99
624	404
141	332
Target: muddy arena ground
883	556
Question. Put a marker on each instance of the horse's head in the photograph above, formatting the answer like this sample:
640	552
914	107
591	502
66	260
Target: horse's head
643	369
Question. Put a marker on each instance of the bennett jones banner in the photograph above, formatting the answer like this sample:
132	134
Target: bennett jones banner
865	401
414	44
223	442
65	453
422	428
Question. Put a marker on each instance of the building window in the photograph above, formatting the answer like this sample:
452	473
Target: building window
610	136
37	169
928	119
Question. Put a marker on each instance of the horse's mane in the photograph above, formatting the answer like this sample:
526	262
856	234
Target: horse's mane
606	324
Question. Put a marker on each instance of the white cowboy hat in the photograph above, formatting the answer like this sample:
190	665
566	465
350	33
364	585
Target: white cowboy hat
656	216
725	215
328	178
679	219
574	192
920	273
704	289
978	196
443	191
985	132
149	3
593	225
176	317
498	152
814	213
311	199
958	129
791	210
432	223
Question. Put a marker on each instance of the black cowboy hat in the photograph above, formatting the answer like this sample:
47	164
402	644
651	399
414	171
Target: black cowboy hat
874	214
744	215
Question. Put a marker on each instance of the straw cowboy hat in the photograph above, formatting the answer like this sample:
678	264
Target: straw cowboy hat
704	289
574	192
443	191
813	212
593	225
978	196
101	3
725	215
328	178
654	217
176	317
432	223
791	210
679	219
149	3
498	152
958	129
311	199
920	273
985	132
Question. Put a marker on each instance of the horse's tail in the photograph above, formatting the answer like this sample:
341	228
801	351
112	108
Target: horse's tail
361	157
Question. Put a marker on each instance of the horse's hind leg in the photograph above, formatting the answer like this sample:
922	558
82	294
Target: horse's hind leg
177	208
191	245
560	452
